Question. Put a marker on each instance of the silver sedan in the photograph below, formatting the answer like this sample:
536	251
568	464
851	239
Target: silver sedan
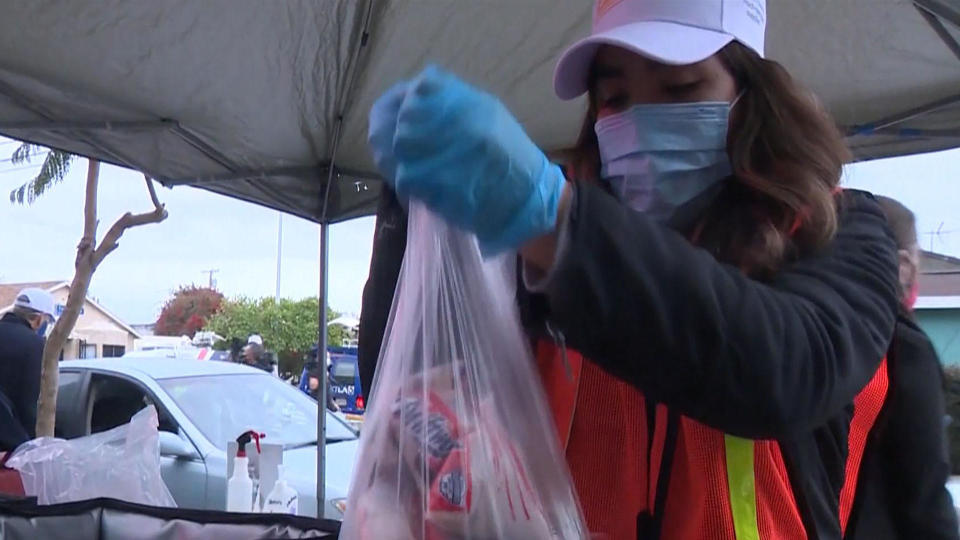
202	406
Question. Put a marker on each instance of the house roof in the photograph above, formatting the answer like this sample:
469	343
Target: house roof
939	286
937	263
9	291
939	275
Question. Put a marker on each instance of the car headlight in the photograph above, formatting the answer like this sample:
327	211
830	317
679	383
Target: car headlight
339	504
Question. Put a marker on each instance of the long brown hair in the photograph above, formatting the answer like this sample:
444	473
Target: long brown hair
787	157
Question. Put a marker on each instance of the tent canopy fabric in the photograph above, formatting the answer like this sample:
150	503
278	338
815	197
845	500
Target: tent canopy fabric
267	101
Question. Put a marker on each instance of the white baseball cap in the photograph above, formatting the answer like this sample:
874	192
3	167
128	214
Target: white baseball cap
676	32
255	338
36	299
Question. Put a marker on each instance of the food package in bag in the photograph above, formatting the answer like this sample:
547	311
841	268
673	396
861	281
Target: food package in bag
458	441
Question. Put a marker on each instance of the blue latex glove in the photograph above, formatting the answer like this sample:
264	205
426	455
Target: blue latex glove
382	127
460	151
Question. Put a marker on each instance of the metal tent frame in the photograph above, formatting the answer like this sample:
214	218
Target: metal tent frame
335	183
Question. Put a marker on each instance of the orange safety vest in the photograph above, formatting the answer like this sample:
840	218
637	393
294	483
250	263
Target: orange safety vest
711	486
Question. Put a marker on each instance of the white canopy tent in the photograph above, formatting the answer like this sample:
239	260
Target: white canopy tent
346	321
267	101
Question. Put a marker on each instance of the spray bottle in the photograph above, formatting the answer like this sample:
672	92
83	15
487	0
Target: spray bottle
240	486
282	498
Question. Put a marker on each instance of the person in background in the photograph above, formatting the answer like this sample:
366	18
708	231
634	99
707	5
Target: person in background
902	484
22	337
313	385
254	355
706	304
236	350
310	364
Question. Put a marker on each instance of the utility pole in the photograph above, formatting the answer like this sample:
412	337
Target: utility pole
279	252
210	281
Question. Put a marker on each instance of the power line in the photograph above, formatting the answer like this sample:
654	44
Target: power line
10	159
17	169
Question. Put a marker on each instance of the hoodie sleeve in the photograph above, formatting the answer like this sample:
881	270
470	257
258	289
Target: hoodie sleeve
754	359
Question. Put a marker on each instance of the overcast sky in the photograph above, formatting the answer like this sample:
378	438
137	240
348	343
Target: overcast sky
207	231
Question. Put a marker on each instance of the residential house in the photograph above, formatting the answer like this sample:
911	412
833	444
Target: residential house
97	334
938	304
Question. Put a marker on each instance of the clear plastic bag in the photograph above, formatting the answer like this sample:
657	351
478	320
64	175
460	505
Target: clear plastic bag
458	442
122	463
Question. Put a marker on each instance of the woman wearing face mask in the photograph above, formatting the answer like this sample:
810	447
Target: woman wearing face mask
706	306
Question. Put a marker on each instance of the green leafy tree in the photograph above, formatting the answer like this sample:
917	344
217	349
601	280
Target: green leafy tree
289	328
90	253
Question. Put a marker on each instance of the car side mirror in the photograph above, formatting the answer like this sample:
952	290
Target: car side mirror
172	445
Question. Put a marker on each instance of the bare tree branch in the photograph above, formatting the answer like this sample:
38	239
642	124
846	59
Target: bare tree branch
111	240
153	192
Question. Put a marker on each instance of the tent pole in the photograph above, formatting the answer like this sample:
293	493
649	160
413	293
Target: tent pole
322	340
889	121
322	361
944	34
941	9
352	66
98	125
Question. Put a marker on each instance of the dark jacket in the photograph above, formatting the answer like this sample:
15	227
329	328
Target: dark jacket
779	360
902	484
21	356
389	244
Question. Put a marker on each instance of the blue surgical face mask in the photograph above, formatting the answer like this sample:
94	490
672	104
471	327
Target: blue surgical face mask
657	157
42	329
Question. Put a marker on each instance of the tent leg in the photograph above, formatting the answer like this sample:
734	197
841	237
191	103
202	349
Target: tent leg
322	361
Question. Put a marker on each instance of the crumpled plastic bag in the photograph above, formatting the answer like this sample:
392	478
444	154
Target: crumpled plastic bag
122	463
458	441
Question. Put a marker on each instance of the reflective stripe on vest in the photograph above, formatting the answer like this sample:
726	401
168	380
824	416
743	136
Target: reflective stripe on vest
743	489
740	460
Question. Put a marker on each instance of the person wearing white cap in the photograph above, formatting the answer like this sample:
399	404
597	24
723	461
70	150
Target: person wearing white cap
21	355
729	301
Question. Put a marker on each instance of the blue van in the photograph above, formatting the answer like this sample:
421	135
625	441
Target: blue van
344	374
345	382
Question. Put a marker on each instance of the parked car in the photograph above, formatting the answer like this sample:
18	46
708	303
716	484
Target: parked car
183	353
345	383
202	406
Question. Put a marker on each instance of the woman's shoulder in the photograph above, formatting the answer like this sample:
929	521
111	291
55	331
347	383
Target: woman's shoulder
856	202
911	344
861	220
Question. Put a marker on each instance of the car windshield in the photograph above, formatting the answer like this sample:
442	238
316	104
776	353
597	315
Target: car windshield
223	407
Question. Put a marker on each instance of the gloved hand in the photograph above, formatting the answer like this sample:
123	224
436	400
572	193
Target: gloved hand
382	127
460	151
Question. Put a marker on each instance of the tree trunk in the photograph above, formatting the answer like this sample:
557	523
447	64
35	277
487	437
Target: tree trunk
49	378
89	256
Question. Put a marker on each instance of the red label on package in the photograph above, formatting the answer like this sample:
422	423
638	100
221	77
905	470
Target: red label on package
432	425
